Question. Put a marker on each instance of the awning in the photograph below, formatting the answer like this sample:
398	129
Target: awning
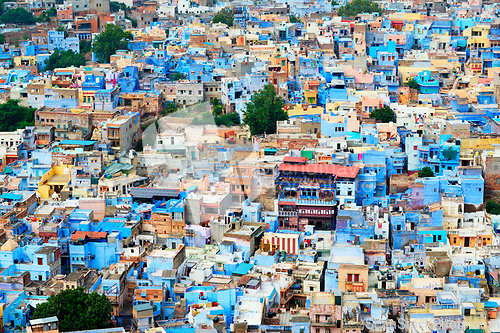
11	196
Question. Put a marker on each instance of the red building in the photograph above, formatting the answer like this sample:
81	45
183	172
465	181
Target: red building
307	193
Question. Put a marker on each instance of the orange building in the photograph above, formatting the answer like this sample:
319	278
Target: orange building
353	278
149	6
280	61
65	14
469	238
89	22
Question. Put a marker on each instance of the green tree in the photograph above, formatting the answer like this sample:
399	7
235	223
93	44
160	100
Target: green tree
384	114
117	6
61	28
18	15
426	172
85	46
2	39
139	146
63	59
264	110
76	310
218	108
46	17
229	119
413	84
177	76
225	16
294	19
2	6
52	12
14	116
108	41
170	107
493	207
351	9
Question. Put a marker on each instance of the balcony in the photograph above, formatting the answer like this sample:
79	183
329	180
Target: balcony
285	213
324	324
87	105
317	202
354	286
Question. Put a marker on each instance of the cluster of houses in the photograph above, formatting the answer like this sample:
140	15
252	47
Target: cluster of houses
328	225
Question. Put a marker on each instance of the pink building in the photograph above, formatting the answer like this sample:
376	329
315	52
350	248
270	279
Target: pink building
370	104
325	313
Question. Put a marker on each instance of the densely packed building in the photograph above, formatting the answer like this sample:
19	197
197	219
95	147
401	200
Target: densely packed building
372	208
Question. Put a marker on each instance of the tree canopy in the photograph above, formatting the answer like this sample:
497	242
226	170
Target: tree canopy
112	38
14	116
426	172
384	114
229	119
175	76
2	6
225	16
85	46
63	59
493	207
116	6
413	84
61	28
218	108
46	17
264	110
18	15
351	9
76	310
169	107
294	19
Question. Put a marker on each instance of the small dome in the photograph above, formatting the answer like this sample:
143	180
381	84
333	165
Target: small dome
66	171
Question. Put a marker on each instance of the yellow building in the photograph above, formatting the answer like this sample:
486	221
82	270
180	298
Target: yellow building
478	36
54	180
25	61
311	96
305	110
475	316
